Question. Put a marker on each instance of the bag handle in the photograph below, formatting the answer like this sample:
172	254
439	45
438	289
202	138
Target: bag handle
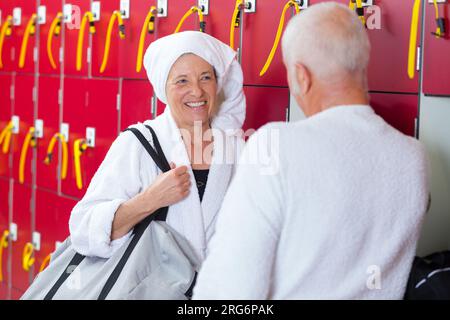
161	161
161	214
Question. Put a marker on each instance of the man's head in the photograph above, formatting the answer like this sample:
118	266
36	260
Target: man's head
326	52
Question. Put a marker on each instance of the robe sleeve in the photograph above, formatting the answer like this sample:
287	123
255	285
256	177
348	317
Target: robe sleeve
243	248
116	180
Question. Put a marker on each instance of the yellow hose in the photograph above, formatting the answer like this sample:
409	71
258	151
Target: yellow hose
3	245
45	263
88	16
30	30
29	140
55	29
357	5
187	14
413	40
149	24
79	147
115	15
5	137
27	256
289	4
4	31
235	21
65	156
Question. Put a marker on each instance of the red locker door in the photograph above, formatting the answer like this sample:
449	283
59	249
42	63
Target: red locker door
265	104
436	77
48	112
219	18
79	8
22	218
128	47
258	36
4	226
136	103
24	109
52	223
399	110
97	109
99	40
28	9
5	118
9	46
46	65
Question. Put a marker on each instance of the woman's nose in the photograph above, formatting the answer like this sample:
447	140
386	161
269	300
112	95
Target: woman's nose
196	90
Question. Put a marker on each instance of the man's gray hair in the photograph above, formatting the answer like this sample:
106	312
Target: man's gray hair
328	39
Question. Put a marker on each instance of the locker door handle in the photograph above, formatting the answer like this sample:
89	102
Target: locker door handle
45	263
55	29
235	20
440	29
413	40
3	245
115	16
30	30
356	5
149	24
79	147
289	4
30	140
187	14
64	161
88	16
27	256
5	137
5	31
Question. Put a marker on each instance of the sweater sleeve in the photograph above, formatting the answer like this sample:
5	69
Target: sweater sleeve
242	250
116	180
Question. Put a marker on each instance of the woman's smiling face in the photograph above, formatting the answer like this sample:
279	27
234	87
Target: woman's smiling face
191	91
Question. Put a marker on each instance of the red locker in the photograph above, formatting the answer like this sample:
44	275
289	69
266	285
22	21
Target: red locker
5	118
436	75
8	52
265	104
28	9
258	36
21	216
79	8
89	103
99	39
136	103
49	62
52	222
48	112
24	109
4	226
399	110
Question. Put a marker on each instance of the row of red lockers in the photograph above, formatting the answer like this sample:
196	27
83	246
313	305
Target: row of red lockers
43	202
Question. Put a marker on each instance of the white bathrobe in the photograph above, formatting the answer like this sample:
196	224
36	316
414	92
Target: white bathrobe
336	214
128	169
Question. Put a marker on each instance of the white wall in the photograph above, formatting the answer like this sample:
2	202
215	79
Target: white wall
434	132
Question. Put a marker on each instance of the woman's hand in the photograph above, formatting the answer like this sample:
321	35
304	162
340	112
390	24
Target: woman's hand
169	187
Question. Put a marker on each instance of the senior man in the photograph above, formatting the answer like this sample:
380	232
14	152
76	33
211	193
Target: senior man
340	215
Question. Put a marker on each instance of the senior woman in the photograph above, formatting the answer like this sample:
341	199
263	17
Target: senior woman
189	71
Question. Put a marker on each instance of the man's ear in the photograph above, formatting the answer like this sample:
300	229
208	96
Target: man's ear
303	77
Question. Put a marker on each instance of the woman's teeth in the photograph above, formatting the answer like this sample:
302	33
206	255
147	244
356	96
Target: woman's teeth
195	104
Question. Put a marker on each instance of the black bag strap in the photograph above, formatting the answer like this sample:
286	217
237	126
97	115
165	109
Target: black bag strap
76	260
161	214
161	161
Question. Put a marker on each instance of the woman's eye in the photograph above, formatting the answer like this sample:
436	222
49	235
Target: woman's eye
205	78
181	81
